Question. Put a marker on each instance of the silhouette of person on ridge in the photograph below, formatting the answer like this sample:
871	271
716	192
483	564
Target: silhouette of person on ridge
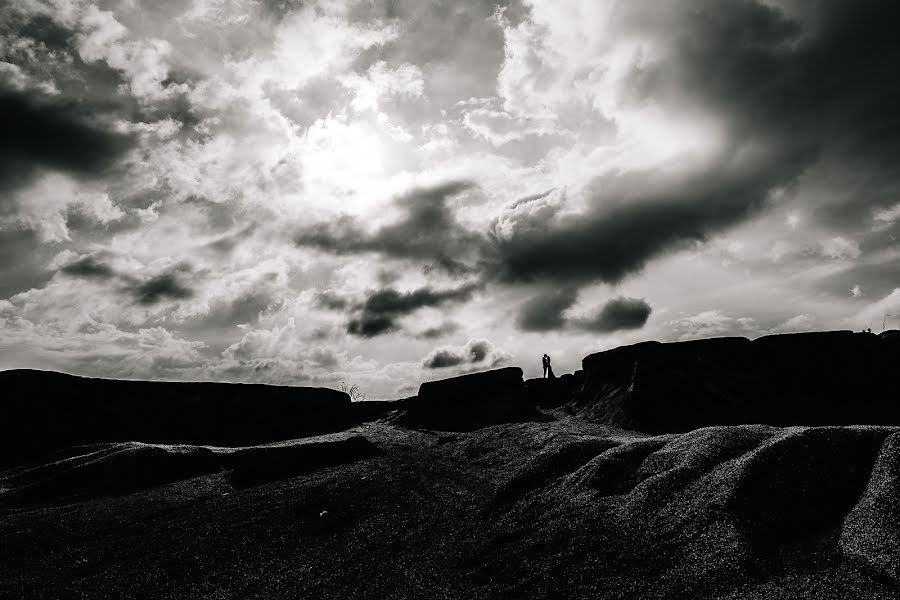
548	370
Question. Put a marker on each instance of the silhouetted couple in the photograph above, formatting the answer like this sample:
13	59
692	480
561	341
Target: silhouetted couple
548	370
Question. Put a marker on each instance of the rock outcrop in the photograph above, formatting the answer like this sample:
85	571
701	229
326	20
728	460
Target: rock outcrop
470	401
552	393
823	378
43	411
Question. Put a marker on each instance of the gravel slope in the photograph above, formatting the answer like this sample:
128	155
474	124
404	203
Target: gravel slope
560	508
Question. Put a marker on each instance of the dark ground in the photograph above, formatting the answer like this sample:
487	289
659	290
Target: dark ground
553	509
638	477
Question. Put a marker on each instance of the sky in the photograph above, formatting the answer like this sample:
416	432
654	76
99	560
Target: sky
384	192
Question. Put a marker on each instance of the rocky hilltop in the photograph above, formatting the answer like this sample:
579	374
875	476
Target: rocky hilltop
44	411
821	378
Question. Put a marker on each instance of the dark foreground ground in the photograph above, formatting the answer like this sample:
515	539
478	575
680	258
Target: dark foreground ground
559	508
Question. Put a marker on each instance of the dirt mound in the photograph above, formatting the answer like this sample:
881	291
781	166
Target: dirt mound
252	466
707	509
43	411
823	378
103	470
871	533
470	401
564	508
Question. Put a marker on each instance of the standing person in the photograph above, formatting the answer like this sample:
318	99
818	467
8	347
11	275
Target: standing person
545	360
549	368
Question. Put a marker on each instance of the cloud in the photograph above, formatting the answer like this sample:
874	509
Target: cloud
161	287
88	266
618	314
378	313
537	239
884	311
544	312
712	323
887	216
371	325
277	342
285	354
444	329
331	300
54	134
22	257
143	62
630	220
477	352
638	138
226	313
381	81
840	248
442	358
427	230
727	140
499	127
802	322
92	347
227	242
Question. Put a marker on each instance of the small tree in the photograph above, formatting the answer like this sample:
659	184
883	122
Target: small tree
356	395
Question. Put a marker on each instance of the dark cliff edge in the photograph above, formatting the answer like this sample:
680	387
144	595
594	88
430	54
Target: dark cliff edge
821	378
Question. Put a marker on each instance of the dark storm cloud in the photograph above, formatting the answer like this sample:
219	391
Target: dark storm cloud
88	266
57	135
369	325
391	302
476	352
165	286
617	314
632	221
820	81
788	93
379	312
43	29
428	231
169	285
445	328
544	312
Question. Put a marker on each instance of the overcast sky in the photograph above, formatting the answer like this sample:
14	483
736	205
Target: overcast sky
388	191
